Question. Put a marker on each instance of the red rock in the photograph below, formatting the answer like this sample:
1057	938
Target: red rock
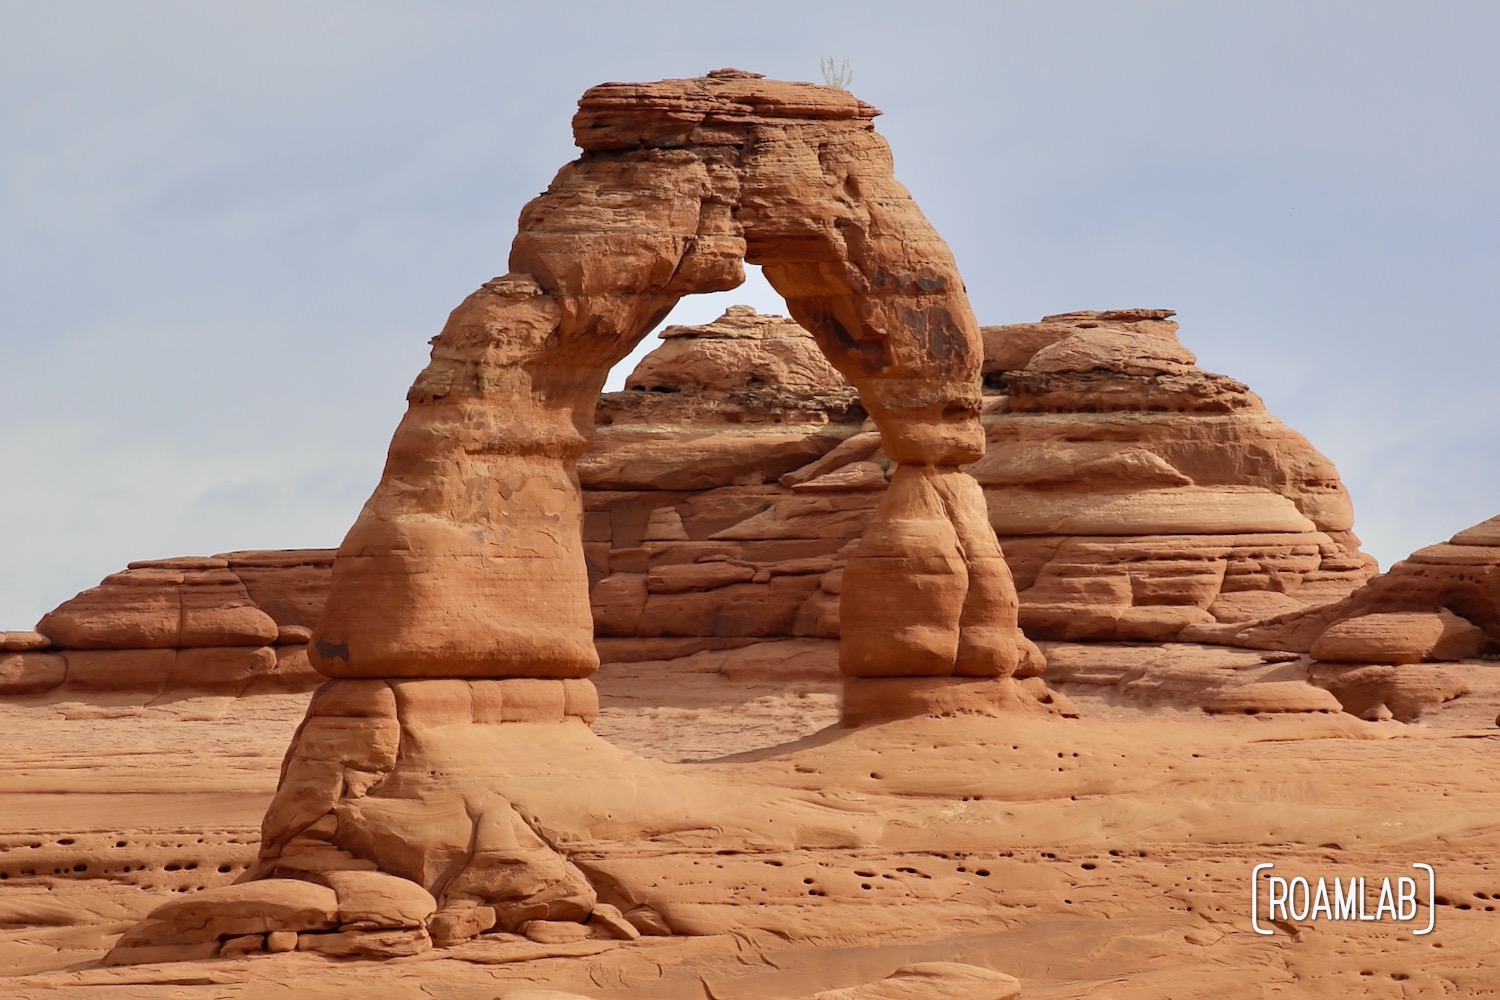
612	922
1270	697
239	947
1404	692
159	953
289	585
373	899
229	668
279	942
379	944
120	669
23	642
467	564
457	625
739	351
1459	579
232	911
162	604
676	578
1140	526
293	635
554	931
649	922
31	673
1397	637
460	923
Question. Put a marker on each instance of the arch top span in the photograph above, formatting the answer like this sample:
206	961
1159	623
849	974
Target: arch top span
682	181
717	109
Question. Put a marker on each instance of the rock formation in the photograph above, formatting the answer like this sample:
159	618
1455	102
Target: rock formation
236	623
458	601
1135	495
727	484
1141	494
1440	603
679	183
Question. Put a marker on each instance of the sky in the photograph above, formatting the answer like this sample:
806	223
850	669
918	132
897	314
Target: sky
227	231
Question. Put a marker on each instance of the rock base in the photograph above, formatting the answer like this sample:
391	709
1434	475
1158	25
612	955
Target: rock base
884	699
389	831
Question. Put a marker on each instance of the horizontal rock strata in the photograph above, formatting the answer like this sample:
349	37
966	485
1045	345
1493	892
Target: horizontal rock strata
728	482
1440	603
232	623
1134	495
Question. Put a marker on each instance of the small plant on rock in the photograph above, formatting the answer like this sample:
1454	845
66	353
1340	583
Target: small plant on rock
836	74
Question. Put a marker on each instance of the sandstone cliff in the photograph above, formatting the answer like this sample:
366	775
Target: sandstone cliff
1133	493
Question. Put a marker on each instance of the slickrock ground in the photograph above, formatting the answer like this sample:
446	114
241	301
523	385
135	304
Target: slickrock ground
1104	856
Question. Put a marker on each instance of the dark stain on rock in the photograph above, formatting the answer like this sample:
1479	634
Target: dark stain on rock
333	650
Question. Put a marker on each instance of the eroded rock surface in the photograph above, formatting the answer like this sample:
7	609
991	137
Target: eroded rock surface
233	623
718	514
1135	496
458	604
1440	603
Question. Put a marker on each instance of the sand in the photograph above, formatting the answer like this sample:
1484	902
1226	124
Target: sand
1106	856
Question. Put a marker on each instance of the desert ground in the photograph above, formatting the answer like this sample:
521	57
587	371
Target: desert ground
1107	855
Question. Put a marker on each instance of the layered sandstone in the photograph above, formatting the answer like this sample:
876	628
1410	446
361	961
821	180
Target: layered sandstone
1139	495
736	402
1375	647
236	622
1440	603
727	483
1134	494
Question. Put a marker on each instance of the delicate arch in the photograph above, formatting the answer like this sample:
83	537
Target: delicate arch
467	560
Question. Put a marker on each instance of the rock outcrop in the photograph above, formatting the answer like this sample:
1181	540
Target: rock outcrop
459	564
736	402
1137	494
1375	648
458	602
234	623
720	512
1440	603
1134	495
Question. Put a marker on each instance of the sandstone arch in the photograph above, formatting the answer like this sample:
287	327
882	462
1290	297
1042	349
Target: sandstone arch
459	597
465	562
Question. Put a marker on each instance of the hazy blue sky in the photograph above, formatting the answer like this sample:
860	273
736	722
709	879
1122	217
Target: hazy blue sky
228	230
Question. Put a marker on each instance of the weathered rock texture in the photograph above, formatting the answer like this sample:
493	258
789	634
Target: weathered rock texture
1440	603
236	622
1141	494
726	486
1134	494
459	598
